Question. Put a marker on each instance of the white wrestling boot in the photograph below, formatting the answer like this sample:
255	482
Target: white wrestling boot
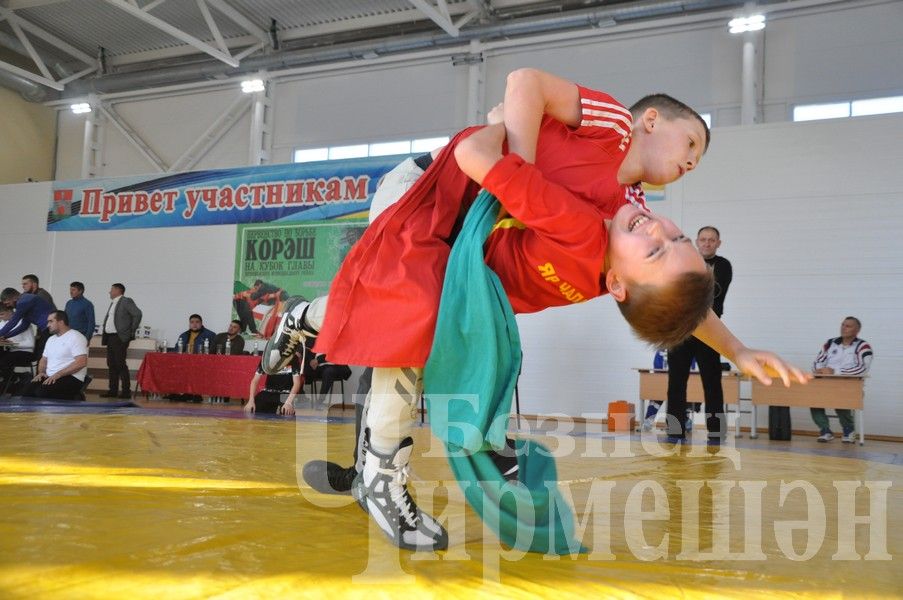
382	491
289	336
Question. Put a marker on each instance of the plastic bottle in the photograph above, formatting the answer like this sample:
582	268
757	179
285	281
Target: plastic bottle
256	348
228	346
179	347
165	346
206	346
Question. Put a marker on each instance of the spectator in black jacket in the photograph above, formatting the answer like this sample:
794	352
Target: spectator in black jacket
708	240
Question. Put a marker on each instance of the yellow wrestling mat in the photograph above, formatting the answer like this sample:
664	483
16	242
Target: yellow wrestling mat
143	504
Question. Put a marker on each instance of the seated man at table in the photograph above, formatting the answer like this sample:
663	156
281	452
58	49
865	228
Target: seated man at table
64	363
18	353
844	355
192	340
236	343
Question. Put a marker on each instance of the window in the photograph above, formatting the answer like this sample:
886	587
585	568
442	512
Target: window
418	146
877	106
389	148
814	112
855	108
340	152
311	154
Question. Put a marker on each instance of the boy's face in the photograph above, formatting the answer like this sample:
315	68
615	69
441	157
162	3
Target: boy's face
646	249
669	147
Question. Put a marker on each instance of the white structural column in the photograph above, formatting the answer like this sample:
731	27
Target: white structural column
92	146
261	126
750	81
476	84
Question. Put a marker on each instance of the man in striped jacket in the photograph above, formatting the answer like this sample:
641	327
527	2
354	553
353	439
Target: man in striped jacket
844	355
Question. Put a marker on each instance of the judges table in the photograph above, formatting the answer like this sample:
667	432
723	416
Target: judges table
825	391
654	387
202	374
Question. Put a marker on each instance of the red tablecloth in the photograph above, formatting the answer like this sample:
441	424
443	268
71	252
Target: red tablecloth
202	374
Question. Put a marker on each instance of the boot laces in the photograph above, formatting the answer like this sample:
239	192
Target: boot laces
398	492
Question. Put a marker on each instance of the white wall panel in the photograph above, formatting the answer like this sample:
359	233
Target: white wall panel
841	54
382	104
25	245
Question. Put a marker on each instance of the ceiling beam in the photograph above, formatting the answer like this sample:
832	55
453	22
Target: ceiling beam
436	16
214	28
46	36
239	19
173	31
78	75
20	4
30	76
30	50
152	5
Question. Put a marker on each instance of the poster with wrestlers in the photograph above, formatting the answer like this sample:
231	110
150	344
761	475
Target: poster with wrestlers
276	262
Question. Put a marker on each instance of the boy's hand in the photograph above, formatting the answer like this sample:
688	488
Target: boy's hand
496	115
249	407
763	365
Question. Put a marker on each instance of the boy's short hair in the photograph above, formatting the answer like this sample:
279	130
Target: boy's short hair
32	278
236	321
8	294
196	316
119	287
60	315
671	108
78	285
666	315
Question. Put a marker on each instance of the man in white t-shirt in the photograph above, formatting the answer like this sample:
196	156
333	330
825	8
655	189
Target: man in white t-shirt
64	364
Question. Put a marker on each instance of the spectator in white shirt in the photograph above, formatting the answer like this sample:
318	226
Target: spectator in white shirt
844	355
63	366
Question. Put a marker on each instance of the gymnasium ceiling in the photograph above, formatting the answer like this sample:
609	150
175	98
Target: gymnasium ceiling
64	48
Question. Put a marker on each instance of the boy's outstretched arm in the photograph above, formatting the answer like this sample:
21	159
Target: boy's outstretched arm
529	94
760	364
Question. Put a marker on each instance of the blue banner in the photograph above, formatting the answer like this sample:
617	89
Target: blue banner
313	191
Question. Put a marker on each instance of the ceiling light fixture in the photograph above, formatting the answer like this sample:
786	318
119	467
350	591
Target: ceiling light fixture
252	85
744	24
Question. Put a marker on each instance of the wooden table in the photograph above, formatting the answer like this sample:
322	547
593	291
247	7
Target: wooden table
654	387
825	391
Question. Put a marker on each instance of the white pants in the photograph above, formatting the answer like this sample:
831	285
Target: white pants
393	186
390	408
